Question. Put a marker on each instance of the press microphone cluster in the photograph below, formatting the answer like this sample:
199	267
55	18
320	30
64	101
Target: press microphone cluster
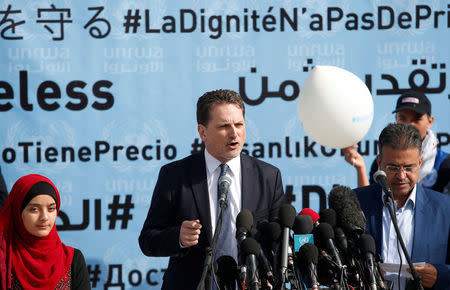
305	251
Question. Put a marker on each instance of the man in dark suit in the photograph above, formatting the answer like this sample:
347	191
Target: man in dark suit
182	215
423	215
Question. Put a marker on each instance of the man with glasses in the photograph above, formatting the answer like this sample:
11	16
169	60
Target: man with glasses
412	108
423	215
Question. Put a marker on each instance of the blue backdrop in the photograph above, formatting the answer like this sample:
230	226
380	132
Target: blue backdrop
98	96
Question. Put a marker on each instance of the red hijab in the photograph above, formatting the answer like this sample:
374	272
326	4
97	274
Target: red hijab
39	263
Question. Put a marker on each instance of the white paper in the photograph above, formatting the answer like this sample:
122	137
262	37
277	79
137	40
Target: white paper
393	268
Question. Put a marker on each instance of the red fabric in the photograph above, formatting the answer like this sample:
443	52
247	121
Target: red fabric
307	211
39	263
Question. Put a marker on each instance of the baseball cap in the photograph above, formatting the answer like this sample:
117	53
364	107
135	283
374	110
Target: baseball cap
414	101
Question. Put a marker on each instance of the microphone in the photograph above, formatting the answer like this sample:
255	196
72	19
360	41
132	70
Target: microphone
226	272
349	215
308	257
287	217
274	234
324	235
341	240
224	185
380	177
367	246
303	224
314	215
258	235
328	216
250	248
244	223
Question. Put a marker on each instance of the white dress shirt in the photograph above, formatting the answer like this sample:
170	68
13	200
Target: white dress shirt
234	192
405	221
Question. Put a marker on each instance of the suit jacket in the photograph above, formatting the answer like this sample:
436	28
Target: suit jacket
431	227
181	193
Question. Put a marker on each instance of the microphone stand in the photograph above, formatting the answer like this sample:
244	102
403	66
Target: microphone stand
211	250
387	200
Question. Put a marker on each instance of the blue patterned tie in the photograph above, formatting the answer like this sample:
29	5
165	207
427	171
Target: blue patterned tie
226	245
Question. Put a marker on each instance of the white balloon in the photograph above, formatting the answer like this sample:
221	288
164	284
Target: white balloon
335	107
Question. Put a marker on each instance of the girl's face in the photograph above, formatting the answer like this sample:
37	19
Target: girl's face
39	215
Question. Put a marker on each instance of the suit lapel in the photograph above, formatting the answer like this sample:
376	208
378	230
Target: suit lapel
421	225
201	194
376	222
246	185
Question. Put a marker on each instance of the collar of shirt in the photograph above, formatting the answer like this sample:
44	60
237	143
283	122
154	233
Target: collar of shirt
411	199
212	164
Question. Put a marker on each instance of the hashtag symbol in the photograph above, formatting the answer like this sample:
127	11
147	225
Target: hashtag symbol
197	146
132	21
94	275
125	207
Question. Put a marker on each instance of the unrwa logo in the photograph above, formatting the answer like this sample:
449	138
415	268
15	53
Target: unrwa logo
300	240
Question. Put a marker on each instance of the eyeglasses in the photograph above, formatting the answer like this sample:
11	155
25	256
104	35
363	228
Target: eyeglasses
396	169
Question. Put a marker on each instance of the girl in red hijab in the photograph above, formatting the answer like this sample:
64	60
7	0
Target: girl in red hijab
31	254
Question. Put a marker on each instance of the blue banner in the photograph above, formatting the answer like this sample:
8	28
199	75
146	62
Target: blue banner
98	95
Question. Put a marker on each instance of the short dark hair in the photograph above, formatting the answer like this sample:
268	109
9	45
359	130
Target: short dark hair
209	99
400	137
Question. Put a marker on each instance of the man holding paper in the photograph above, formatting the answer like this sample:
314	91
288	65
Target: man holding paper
423	215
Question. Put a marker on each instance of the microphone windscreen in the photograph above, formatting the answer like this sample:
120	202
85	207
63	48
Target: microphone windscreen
379	174
314	215
287	215
226	268
339	233
307	254
348	211
250	246
244	219
322	233
274	231
303	225
328	215
367	244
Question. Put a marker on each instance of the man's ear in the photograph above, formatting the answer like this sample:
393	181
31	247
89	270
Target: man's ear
202	132
378	160
430	121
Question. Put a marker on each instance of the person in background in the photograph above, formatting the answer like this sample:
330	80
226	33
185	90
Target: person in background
422	214
412	108
32	255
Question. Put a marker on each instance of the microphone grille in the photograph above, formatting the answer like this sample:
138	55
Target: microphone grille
328	215
379	173
250	247
225	268
287	215
244	219
303	224
322	233
307	254
348	210
367	243
225	178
